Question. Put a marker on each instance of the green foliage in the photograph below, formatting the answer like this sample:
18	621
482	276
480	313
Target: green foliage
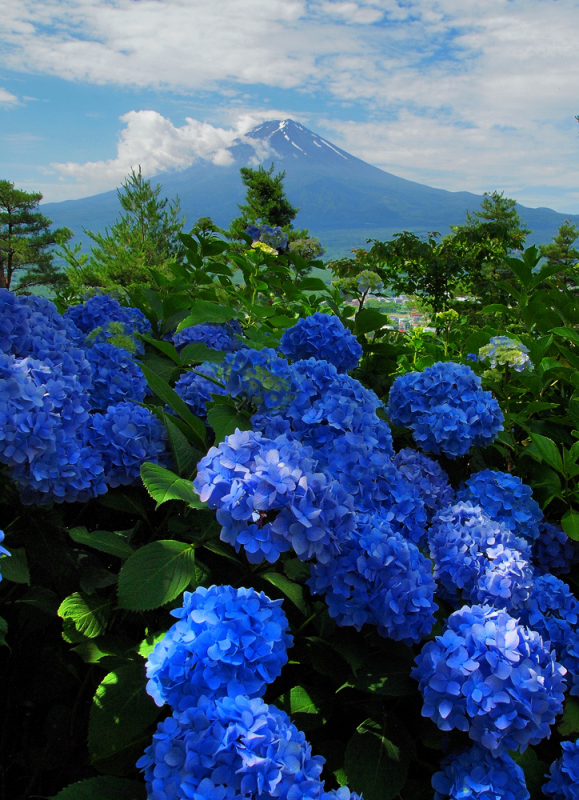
265	201
26	241
156	574
144	238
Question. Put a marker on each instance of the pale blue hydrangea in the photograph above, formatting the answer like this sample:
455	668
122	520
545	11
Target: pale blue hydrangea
323	337
506	352
226	642
491	677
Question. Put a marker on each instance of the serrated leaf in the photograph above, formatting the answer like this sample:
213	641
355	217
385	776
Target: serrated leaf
166	348
164	485
570	524
198	352
376	760
569	725
15	566
303	706
224	419
88	613
146	647
548	451
162	389
204	311
93	651
155	574
293	591
103	787
184	456
368	319
121	710
110	542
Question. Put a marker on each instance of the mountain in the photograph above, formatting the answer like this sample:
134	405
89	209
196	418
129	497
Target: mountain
342	199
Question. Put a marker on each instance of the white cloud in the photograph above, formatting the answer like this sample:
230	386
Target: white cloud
152	142
7	99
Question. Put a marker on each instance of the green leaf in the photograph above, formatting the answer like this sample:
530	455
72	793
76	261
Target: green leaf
293	591
570	523
370	320
204	311
89	613
146	647
301	706
376	761
385	674
121	501
121	710
93	651
3	632
103	787
163	391
224	419
165	347
312	285
42	598
198	352
535	771
569	724
496	308
112	543
184	456
15	566
548	451
163	485
156	574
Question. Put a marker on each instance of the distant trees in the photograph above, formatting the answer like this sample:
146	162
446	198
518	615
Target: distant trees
265	201
26	241
144	238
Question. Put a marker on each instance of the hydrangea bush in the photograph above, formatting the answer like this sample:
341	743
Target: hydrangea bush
434	642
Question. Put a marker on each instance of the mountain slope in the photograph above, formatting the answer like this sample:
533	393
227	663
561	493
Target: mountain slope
342	199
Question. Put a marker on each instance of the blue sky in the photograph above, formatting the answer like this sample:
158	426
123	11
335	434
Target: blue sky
470	95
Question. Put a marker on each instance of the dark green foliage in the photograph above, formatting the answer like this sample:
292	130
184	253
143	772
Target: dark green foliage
265	201
26	241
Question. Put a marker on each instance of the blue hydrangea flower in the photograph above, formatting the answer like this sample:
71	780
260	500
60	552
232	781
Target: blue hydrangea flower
553	551
506	351
552	610
214	336
463	542
231	748
506	582
505	498
273	236
379	578
269	498
446	408
427	479
126	436
227	642
260	376
324	337
564	774
570	660
43	413
196	391
99	310
116	377
476	774
491	677
3	551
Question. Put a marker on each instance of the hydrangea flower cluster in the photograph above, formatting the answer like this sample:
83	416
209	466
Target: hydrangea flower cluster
505	498
196	391
222	742
553	551
427	478
269	498
464	542
491	677
102	309
273	236
379	578
476	774
324	337
505	351
226	642
564	774
213	335
552	610
51	382
259	376
446	408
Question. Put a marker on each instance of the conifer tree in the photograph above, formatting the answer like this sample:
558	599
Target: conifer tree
26	241
265	201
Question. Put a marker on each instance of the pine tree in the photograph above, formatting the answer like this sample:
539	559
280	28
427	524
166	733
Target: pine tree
560	252
145	238
26	241
265	201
